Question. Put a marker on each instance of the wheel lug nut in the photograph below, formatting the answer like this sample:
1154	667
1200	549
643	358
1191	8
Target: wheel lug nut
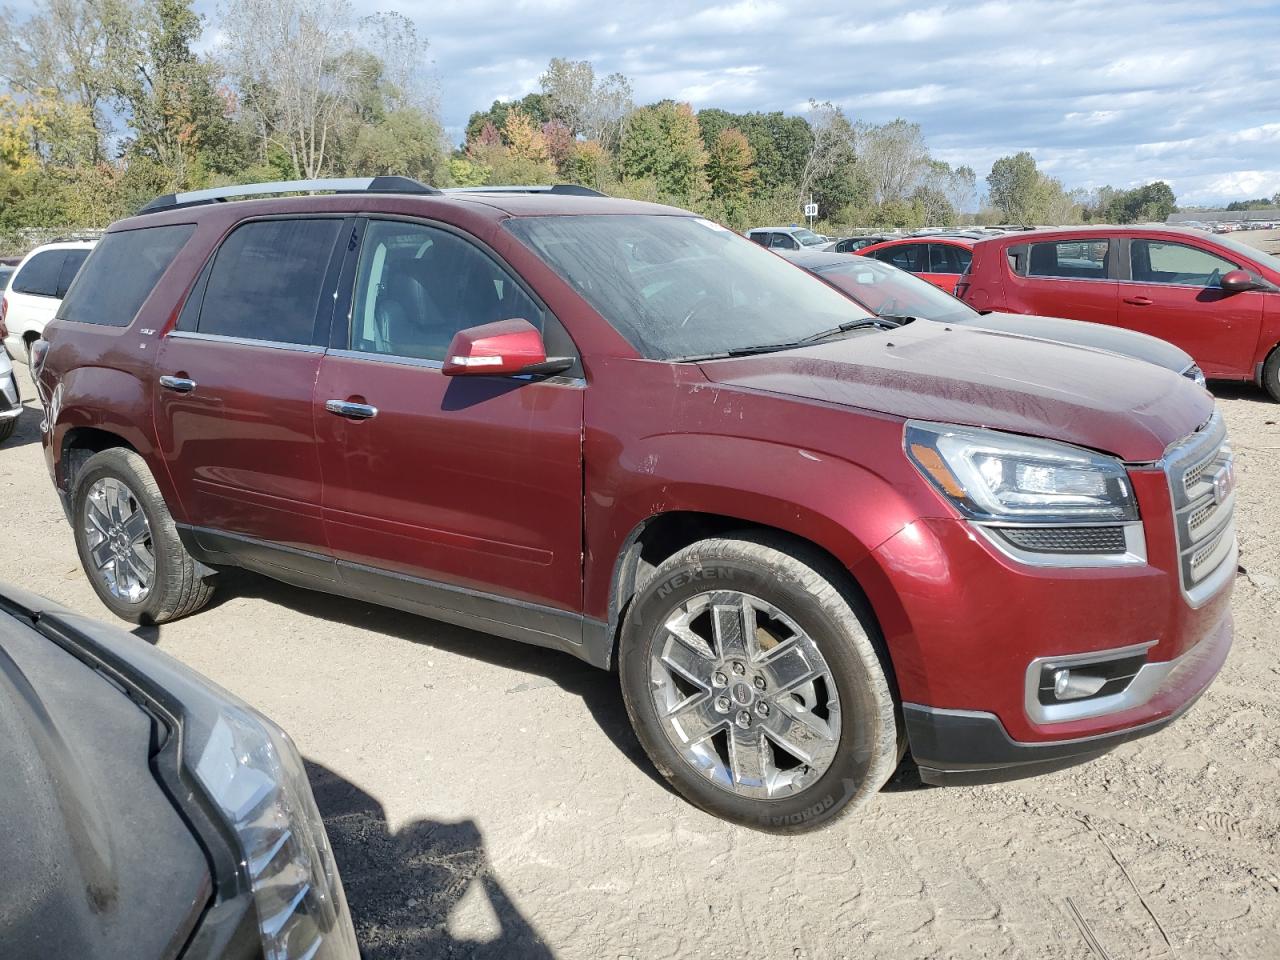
720	680
739	669
744	719
759	682
762	708
722	704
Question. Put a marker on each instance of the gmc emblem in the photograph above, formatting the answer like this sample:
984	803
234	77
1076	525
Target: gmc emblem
1224	481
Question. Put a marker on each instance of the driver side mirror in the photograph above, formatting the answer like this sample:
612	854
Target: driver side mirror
502	349
1237	281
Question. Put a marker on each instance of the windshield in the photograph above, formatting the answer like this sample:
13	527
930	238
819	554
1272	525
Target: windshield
1268	260
808	238
891	292
680	287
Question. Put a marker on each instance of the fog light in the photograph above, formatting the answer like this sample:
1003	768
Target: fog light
1073	686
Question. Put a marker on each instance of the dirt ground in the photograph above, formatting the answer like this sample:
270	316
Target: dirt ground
488	799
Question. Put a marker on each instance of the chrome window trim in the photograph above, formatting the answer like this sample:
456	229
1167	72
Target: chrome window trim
1134	538
246	341
1140	689
426	364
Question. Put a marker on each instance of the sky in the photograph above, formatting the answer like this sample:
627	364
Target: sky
1099	91
1118	92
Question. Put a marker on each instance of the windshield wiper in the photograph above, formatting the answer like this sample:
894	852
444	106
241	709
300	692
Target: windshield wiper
887	323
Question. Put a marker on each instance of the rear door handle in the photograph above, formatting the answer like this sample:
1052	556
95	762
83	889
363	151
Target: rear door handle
1139	301
178	384
352	411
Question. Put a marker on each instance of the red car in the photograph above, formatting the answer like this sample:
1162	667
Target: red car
805	537
940	259
1215	297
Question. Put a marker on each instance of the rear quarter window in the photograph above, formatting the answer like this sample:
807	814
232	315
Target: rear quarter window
117	279
39	275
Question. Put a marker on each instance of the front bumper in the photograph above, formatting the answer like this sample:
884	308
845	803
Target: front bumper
956	747
10	401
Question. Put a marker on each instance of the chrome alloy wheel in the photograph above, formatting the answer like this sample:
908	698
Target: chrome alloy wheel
745	695
119	539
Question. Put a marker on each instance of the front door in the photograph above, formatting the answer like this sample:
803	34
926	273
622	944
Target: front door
1174	295
471	482
233	405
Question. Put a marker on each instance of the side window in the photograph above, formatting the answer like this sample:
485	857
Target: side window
267	279
946	258
1070	259
760	238
417	286
1156	261
119	276
39	275
912	257
71	265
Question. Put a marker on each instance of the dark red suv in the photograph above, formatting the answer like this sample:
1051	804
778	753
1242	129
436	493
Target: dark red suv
1215	297
806	537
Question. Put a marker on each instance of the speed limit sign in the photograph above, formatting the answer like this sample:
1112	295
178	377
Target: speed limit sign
810	209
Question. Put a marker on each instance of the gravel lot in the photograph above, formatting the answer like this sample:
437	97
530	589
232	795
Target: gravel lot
488	799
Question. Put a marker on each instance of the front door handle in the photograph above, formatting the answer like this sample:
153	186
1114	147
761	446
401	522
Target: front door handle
178	384
350	410
1139	301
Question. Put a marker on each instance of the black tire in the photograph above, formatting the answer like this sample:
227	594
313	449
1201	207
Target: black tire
6	428
790	580
1271	374
180	585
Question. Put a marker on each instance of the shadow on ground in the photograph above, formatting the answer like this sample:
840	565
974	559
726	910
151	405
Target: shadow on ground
425	890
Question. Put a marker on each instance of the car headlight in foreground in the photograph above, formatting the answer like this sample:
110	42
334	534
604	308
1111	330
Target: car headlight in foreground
1195	374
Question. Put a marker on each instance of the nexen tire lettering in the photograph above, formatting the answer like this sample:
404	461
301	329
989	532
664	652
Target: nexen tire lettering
690	576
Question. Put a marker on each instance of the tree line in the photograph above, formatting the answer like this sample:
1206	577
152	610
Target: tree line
108	103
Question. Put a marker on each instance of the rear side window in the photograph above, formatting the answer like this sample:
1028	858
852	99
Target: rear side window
1070	259
760	238
1156	261
39	275
945	258
266	280
912	257
119	276
71	265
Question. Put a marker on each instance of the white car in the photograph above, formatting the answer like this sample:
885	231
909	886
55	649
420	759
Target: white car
788	238
10	403
36	290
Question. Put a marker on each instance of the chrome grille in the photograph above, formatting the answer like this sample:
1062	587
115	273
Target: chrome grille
1200	469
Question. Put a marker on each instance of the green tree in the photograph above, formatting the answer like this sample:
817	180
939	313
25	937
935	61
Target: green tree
731	173
662	142
1015	189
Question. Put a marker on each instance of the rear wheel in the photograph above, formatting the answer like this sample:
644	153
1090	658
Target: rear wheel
754	686
129	545
1271	374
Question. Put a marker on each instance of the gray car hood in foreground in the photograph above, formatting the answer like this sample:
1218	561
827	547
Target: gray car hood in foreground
1099	336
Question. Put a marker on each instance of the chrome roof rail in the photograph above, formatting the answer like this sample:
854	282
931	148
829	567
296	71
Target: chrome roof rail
559	189
192	198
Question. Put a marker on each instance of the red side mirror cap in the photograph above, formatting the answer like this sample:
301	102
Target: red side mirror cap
1237	281
495	349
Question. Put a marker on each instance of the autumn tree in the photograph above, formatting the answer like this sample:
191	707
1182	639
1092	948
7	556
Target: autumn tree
662	143
731	174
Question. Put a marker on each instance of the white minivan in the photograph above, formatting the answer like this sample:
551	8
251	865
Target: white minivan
36	289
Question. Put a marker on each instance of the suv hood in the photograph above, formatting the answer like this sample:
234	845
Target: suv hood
1129	343
982	378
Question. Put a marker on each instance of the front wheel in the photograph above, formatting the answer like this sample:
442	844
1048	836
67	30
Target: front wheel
754	686
1271	374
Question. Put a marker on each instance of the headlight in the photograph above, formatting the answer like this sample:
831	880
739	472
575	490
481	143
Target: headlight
255	776
1195	374
1003	477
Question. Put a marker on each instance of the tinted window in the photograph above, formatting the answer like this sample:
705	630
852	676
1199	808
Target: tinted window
6	272
1157	261
678	287
39	276
760	238
71	265
913	257
120	274
417	286
946	258
783	241
1070	259
267	279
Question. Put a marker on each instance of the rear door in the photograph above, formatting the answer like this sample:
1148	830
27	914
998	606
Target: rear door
912	257
1172	292
474	483
1073	278
233	406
